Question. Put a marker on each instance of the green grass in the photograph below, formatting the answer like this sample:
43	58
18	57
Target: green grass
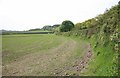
40	31
15	46
57	52
81	49
104	63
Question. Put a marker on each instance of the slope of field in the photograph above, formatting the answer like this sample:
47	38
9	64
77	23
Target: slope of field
40	55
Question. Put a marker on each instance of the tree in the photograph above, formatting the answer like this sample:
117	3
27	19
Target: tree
66	26
119	3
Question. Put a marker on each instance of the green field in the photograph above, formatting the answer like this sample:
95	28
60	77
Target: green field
41	55
26	32
89	48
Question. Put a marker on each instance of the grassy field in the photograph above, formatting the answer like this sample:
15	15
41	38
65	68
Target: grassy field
26	32
40	55
20	45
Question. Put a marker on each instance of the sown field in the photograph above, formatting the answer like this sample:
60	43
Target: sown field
41	55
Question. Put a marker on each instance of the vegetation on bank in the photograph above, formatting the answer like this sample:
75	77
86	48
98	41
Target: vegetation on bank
103	33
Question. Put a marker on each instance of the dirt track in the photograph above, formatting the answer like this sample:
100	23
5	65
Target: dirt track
54	62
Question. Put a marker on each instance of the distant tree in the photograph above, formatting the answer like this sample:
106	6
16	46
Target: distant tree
56	25
35	29
50	28
66	26
47	27
119	3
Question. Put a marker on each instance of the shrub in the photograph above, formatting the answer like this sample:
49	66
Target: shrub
66	26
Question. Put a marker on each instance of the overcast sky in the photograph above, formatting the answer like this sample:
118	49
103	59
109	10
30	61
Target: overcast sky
28	14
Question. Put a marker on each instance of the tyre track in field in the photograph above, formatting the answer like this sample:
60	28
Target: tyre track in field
49	62
79	65
31	63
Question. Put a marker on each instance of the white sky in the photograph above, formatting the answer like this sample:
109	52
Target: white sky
28	14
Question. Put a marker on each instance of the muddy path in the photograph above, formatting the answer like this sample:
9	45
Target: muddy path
55	62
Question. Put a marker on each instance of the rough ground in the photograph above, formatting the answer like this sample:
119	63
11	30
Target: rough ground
56	61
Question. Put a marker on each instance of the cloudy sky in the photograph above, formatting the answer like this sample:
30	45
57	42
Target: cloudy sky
28	14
